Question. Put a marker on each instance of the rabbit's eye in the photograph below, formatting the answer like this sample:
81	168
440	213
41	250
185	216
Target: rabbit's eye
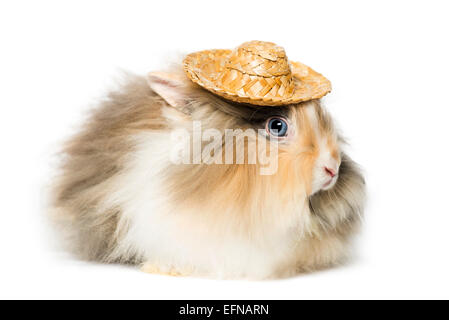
277	127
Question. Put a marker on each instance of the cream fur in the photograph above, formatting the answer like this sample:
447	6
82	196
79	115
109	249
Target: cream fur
120	198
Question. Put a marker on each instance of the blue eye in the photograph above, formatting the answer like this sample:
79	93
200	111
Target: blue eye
277	127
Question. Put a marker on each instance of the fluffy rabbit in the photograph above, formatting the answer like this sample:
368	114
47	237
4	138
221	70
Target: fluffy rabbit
120	198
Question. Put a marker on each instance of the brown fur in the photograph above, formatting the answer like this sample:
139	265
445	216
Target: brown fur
92	159
95	157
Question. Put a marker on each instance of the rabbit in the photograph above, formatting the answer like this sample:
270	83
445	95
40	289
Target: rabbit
120	198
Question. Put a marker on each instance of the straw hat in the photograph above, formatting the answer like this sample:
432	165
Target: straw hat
257	73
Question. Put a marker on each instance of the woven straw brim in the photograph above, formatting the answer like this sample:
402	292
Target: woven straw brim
208	69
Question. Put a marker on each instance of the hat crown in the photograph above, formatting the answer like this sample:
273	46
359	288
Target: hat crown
259	58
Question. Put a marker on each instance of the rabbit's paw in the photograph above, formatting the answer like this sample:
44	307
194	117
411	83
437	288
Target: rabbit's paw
150	267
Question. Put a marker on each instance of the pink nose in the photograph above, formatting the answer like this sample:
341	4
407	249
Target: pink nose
330	171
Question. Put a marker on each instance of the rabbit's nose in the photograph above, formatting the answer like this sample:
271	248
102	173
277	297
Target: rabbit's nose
330	171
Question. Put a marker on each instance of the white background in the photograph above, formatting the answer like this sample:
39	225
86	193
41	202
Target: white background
387	60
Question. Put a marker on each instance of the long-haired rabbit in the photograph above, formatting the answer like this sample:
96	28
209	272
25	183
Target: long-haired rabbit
121	198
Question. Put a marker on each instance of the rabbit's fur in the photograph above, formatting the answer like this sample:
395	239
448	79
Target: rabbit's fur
120	199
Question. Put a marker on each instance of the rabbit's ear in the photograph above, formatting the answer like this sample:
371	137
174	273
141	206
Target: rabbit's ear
170	87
